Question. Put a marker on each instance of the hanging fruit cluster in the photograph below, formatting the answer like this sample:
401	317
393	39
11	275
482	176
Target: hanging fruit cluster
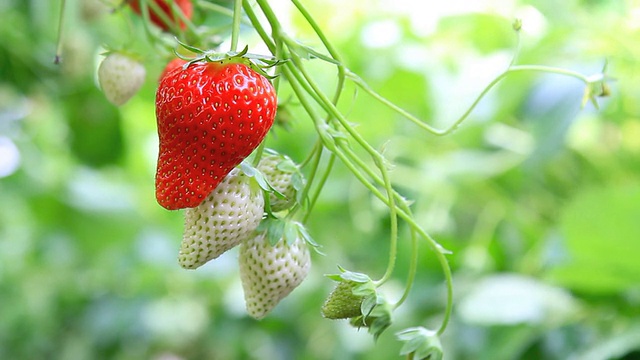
214	110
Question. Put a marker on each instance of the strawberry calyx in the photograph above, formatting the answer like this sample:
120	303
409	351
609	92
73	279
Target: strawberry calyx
285	178
287	230
251	171
257	62
420	343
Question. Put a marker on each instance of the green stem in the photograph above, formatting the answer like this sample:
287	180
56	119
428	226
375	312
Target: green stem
253	19
393	243
146	21
516	51
258	153
156	41
278	55
405	213
519	68
310	179
320	186
406	216
235	28
413	268
302	85
317	148
332	51
178	13
173	27
215	7
339	87
223	11
271	17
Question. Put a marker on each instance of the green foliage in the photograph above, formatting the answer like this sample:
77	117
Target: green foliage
536	198
600	229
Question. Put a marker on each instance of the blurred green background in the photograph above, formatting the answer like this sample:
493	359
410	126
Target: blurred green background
538	199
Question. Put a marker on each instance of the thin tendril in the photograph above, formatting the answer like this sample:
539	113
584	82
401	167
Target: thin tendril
61	19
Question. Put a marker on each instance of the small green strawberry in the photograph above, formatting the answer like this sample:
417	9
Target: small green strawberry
284	176
357	298
120	77
270	272
420	344
342	303
228	216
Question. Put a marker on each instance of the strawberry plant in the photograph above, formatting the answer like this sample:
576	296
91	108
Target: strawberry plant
214	108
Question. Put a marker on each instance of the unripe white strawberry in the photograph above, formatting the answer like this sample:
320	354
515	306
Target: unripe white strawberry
120	77
284	176
270	272
228	216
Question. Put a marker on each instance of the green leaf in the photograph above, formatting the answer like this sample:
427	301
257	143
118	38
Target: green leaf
302	231
334	277
251	171
298	183
601	232
264	225
287	165
615	346
422	343
275	231
355	277
364	289
290	232
379	325
368	304
297	180
193	49
376	315
380	317
309	53
248	169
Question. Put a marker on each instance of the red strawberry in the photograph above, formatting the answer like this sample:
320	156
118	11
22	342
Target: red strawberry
172	65
165	5
211	116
